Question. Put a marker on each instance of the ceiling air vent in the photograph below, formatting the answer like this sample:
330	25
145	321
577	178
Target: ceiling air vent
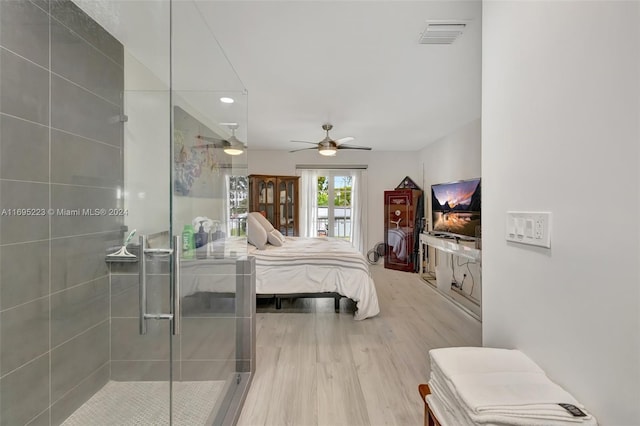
442	32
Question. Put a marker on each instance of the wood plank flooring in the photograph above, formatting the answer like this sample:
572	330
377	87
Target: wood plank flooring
318	367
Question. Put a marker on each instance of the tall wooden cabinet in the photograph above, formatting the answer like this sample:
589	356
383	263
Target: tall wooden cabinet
400	212
276	197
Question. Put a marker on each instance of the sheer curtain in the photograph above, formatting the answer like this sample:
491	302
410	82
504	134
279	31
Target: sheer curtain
358	234
308	202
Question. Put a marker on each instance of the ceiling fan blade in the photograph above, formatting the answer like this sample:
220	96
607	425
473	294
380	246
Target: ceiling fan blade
216	143
210	145
209	139
343	140
312	143
346	146
304	149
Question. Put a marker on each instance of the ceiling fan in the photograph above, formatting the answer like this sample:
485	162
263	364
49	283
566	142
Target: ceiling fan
329	147
231	146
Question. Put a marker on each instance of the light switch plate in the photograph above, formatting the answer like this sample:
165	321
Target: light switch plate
533	228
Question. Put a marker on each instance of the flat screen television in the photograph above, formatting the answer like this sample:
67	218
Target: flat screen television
455	208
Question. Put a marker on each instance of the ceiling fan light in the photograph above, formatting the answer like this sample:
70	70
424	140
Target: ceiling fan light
327	151
233	146
233	151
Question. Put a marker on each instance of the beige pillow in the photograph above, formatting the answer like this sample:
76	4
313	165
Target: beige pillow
262	220
256	234
275	238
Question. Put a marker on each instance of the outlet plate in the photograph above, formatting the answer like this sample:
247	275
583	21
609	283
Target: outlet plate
533	228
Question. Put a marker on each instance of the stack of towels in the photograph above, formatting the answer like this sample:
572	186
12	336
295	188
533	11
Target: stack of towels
488	386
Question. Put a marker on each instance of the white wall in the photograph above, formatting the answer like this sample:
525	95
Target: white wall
386	169
146	149
560	133
453	157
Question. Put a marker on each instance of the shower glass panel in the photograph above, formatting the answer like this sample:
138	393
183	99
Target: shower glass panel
111	122
140	385
209	106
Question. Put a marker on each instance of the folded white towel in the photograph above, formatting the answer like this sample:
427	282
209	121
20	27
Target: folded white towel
481	360
542	411
449	401
446	416
456	413
499	386
505	391
490	420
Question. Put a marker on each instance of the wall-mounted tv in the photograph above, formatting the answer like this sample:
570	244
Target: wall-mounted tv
455	208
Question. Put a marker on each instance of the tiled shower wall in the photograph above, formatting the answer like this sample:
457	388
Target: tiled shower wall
61	80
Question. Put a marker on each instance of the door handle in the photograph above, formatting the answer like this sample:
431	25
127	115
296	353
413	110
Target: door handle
175	287
142	284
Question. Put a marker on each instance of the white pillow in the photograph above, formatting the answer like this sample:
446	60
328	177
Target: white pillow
256	234
275	238
262	220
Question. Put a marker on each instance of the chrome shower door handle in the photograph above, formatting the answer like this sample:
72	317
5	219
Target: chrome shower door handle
142	284
175	287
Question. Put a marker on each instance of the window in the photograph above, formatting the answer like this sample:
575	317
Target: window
334	205
238	199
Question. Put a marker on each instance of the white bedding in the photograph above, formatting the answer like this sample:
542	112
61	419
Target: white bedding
317	265
397	239
301	265
213	275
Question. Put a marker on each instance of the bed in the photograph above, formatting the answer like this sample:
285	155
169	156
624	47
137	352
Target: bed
301	267
315	266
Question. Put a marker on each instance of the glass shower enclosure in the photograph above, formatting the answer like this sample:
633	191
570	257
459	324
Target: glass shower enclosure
126	293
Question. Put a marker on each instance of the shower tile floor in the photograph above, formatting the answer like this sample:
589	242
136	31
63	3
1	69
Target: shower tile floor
146	403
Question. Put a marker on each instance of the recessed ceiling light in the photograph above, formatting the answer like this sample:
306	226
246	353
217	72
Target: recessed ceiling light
226	100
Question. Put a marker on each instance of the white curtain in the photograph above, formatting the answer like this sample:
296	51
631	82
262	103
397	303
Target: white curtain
308	203
359	210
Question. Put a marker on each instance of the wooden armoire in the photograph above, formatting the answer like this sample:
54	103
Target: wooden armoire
400	213
276	197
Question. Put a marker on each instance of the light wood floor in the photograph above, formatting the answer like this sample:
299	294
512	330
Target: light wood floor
318	367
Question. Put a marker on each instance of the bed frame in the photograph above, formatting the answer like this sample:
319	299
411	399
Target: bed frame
205	300
335	296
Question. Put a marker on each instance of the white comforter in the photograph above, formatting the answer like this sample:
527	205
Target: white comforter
316	265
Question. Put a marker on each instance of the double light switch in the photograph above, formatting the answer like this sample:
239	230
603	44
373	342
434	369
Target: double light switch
532	228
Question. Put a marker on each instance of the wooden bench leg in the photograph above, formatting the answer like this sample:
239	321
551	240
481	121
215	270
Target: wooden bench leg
336	304
429	418
424	391
278	303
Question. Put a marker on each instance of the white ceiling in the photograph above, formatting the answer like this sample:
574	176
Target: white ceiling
356	64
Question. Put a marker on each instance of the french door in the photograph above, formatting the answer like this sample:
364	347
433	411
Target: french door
335	204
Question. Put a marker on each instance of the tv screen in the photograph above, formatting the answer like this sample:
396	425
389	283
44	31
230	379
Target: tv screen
455	208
